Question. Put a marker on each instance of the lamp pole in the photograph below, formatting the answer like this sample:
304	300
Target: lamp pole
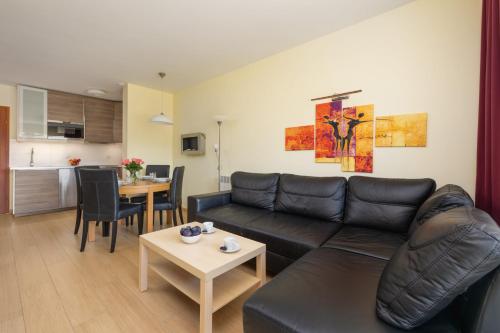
219	123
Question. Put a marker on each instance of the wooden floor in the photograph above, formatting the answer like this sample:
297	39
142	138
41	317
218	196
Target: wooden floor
47	285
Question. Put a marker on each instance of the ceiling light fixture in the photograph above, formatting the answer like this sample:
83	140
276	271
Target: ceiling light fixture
161	118
95	92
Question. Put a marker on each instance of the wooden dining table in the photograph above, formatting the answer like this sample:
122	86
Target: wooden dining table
147	187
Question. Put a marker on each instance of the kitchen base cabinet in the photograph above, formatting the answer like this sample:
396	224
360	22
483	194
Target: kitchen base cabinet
35	191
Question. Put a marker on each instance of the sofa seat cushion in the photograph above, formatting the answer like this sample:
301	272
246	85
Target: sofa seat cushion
319	197
385	203
254	189
231	217
371	242
326	290
290	235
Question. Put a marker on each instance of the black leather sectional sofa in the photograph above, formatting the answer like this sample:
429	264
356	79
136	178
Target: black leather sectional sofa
350	252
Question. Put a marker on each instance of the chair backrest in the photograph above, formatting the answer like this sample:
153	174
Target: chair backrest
162	171
79	197
100	194
176	186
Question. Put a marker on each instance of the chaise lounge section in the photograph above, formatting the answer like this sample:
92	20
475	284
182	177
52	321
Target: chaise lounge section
329	240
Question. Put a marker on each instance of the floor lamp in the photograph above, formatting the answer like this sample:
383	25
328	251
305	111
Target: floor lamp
219	119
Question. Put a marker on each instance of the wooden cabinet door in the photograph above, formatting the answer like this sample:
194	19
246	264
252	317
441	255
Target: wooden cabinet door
36	191
64	107
118	122
99	120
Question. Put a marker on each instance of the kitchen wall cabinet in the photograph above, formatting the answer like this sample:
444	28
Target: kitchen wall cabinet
35	191
64	107
99	120
31	113
118	122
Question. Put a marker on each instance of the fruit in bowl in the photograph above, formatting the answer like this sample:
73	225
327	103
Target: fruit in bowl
190	235
74	161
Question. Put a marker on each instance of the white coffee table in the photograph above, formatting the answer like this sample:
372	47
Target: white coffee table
200	270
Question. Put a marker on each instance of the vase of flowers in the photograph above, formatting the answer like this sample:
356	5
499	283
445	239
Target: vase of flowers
133	166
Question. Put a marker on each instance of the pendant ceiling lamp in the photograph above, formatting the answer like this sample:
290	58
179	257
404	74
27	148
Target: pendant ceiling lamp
161	118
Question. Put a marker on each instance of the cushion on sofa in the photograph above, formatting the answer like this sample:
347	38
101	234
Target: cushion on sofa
446	198
231	217
254	189
384	203
320	197
326	290
445	255
371	242
290	235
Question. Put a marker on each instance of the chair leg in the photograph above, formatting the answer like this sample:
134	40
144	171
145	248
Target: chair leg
85	233
127	220
174	215
140	224
161	216
105	229
78	218
114	229
131	219
180	214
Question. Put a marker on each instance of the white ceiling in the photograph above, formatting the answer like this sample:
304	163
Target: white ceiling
79	44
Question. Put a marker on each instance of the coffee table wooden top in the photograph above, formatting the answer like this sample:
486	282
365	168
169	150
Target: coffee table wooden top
204	258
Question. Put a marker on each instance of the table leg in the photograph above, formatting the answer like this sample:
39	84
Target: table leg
143	267
169	217
206	307
150	212
91	234
261	268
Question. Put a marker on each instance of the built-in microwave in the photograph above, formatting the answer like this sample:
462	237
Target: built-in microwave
64	130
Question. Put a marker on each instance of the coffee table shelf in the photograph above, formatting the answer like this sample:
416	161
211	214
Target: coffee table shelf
227	286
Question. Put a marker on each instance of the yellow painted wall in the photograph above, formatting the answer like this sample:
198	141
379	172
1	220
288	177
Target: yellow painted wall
141	138
8	97
421	57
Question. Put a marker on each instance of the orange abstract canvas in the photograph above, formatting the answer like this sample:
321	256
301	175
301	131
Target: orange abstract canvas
345	136
328	127
406	130
299	138
358	145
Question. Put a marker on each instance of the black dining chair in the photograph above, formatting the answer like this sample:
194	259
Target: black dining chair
79	197
102	203
162	171
173	200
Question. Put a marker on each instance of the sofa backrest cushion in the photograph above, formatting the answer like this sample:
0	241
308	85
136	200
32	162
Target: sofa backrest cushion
254	189
446	198
319	197
385	203
440	261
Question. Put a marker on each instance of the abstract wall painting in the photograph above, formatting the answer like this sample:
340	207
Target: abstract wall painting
358	154
328	127
345	136
299	138
407	130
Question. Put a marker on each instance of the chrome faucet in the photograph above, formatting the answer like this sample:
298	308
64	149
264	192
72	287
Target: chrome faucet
32	163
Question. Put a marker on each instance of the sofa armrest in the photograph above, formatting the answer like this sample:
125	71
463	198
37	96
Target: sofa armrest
198	203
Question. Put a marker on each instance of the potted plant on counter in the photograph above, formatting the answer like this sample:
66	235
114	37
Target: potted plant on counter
133	166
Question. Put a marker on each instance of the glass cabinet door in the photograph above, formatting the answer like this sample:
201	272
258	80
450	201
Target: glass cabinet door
32	112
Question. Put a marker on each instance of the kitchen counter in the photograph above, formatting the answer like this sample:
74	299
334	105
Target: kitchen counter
59	167
41	189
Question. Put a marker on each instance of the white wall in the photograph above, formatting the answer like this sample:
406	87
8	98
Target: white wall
422	57
141	138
